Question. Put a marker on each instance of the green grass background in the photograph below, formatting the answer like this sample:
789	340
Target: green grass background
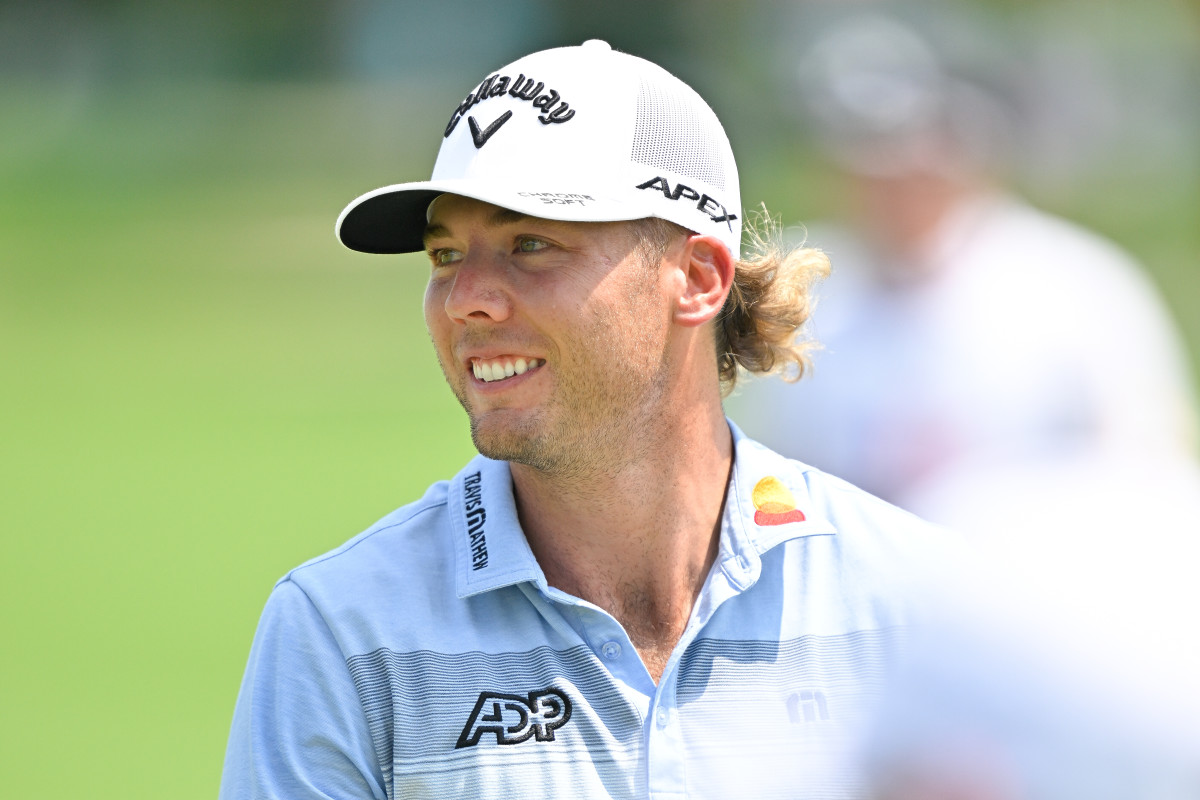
203	389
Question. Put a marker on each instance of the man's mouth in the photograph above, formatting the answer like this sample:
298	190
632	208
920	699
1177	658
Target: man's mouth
497	369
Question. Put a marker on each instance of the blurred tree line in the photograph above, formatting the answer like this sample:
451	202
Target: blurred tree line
1109	113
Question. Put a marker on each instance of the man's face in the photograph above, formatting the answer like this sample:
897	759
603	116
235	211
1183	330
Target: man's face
553	335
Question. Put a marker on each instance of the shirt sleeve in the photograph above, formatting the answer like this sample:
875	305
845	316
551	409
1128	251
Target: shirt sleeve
299	731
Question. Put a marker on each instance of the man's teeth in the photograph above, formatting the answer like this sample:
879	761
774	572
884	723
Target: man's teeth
489	371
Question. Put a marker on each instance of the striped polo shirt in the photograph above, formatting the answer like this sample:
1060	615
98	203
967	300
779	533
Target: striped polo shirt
428	656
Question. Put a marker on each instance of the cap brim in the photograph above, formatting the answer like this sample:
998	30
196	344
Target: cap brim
388	220
391	219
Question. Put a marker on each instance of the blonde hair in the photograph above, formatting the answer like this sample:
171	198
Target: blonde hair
758	329
772	297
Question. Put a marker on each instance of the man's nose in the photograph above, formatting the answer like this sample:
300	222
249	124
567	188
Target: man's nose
479	291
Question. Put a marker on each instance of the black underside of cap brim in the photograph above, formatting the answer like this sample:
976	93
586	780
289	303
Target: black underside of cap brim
388	223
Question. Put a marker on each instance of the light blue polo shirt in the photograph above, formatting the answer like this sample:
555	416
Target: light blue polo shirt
428	657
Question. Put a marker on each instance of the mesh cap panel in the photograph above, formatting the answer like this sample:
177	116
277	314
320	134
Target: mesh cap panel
674	131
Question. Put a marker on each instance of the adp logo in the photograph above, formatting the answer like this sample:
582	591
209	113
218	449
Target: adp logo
513	718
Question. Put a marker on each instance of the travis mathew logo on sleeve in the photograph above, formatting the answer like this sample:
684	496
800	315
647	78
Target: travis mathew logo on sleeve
513	718
554	109
704	203
476	515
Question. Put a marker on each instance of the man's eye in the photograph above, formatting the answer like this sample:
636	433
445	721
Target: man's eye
530	245
443	256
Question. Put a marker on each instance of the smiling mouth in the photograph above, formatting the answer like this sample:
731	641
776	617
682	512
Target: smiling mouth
497	369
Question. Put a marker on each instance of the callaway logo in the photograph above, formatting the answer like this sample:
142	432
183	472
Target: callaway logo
512	718
522	88
476	516
480	137
706	204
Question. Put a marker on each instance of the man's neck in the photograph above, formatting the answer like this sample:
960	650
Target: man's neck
639	539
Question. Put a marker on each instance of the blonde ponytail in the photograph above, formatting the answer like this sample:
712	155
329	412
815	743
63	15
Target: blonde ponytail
772	297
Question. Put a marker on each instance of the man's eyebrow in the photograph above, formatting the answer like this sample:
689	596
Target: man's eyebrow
505	216
434	230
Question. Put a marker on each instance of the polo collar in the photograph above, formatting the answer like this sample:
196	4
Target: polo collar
767	503
490	548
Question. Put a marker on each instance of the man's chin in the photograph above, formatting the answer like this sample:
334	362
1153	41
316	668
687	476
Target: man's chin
518	443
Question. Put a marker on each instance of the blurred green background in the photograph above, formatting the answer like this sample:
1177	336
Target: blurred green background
203	389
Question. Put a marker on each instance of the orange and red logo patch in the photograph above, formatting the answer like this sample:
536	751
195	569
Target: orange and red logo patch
774	504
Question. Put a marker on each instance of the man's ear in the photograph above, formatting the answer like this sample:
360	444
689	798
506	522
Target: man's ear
707	269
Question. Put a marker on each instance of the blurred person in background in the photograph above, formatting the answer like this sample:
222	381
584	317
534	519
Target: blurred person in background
1017	378
962	328
1066	662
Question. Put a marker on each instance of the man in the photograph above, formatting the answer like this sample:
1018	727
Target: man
965	331
621	596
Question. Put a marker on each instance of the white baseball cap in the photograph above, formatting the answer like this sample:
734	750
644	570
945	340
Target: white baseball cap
585	134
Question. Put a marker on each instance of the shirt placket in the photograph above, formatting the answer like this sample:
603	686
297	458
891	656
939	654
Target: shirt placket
663	735
666	754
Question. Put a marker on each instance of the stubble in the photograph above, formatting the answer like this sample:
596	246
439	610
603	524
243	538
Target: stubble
610	377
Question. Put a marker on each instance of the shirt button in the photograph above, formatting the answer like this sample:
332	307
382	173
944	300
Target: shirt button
611	650
743	563
663	717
